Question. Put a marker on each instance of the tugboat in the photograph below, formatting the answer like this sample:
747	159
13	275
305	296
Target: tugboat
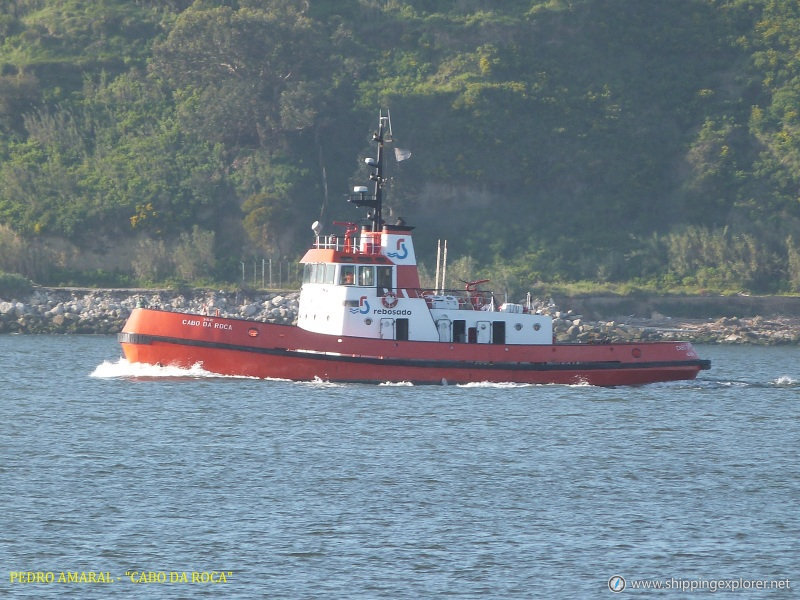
363	317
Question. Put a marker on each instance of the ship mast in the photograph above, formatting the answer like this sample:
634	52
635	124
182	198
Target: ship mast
360	195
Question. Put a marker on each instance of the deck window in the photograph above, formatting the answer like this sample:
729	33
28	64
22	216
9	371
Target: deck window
498	332
459	331
401	329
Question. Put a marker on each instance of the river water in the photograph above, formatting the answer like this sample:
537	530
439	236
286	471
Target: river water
125	481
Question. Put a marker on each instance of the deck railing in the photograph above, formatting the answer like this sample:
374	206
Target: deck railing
458	299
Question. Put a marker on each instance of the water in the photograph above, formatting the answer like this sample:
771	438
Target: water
313	490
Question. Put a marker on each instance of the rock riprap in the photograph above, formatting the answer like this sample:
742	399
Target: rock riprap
72	310
56	310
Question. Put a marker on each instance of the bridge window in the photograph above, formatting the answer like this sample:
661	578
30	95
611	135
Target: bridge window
384	276
330	274
347	275
366	276
319	273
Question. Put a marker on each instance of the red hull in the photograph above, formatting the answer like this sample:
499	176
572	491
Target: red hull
255	349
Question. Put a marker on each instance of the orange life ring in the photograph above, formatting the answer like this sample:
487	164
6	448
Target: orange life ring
389	300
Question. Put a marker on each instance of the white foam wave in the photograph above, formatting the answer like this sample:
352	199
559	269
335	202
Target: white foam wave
785	381
397	384
318	382
492	384
122	369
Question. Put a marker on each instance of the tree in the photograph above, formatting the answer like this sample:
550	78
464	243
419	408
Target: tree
267	223
243	75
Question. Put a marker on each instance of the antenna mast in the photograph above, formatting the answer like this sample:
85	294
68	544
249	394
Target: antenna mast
360	195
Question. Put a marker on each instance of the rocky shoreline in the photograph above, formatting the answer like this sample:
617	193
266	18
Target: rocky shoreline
93	311
71	310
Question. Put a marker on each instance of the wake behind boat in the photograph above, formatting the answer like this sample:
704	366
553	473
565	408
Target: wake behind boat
363	317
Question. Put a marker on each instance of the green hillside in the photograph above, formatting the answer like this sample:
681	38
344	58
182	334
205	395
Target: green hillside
552	140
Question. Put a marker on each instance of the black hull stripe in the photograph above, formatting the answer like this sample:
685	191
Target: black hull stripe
135	338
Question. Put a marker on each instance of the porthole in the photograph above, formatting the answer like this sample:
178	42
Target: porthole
368	321
537	326
518	326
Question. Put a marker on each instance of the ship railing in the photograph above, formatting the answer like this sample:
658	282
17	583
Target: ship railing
329	242
458	299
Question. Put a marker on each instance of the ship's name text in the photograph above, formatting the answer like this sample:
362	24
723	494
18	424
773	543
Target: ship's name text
207	323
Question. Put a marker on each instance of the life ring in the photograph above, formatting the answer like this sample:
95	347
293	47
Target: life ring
389	300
